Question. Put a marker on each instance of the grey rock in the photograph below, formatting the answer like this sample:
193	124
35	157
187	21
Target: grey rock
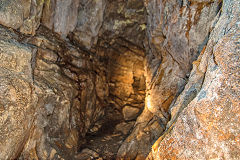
61	16
11	13
90	19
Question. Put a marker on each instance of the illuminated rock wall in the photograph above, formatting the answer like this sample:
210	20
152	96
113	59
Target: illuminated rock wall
105	79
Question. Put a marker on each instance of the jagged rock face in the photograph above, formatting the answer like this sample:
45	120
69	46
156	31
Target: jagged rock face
205	117
90	19
73	70
18	100
65	86
60	16
21	14
11	13
177	32
125	19
55	93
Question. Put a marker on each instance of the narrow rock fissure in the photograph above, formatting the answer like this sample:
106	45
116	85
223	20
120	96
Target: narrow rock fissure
106	135
125	79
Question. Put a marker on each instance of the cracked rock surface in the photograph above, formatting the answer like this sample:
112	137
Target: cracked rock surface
123	79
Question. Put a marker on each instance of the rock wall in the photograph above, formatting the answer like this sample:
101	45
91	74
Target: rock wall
18	100
155	79
63	68
72	91
205	117
177	32
56	93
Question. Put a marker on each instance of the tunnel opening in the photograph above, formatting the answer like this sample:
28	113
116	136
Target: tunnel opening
125	102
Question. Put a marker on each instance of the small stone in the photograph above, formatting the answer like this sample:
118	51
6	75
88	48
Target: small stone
52	154
96	127
87	154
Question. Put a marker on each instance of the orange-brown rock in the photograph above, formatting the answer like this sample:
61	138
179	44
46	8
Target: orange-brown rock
177	32
61	80
17	94
205	117
125	79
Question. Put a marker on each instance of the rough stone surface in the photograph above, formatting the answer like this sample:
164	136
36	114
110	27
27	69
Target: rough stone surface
21	14
70	81
146	129
60	16
205	117
89	22
32	15
125	127
86	153
126	74
125	19
67	95
11	13
176	34
18	100
175	41
56	92
75	74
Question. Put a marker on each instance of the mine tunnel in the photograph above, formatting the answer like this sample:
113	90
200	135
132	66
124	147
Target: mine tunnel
119	79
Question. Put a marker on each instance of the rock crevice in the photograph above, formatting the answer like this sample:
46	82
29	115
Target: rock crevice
126	79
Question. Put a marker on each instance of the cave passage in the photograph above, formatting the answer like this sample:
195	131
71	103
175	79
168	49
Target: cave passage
126	77
119	79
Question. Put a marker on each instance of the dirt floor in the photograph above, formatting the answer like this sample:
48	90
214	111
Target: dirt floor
104	143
